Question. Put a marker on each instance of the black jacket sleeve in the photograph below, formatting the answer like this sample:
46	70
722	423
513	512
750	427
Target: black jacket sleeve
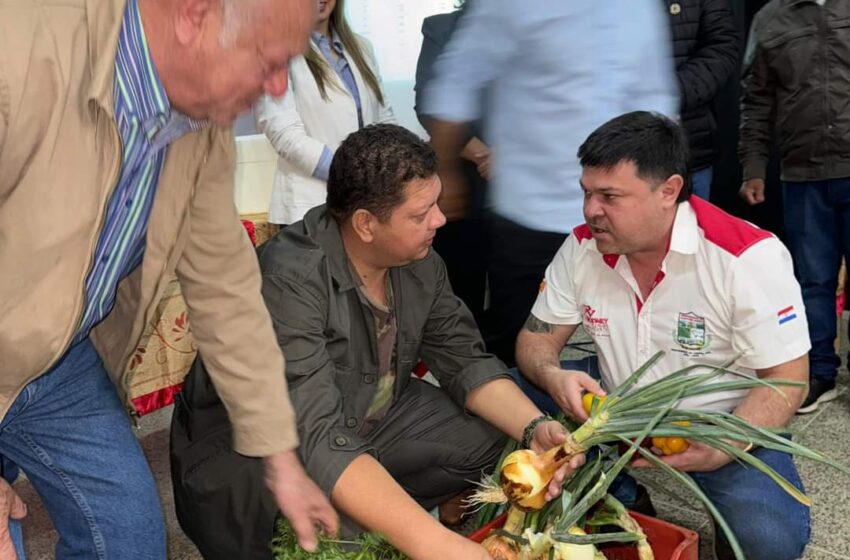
436	31
758	106
716	58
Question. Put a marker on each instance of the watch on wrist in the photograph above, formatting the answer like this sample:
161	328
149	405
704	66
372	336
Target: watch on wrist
528	432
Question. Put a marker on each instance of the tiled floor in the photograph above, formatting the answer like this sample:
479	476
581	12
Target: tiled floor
825	430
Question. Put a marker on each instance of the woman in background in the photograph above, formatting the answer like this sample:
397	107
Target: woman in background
334	89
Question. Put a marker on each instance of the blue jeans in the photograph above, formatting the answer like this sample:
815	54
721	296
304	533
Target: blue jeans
701	182
768	523
69	433
817	227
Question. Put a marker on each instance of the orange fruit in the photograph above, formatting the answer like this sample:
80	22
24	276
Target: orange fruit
670	445
676	445
587	401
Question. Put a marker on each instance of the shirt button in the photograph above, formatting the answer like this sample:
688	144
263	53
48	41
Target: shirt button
340	440
368	378
351	422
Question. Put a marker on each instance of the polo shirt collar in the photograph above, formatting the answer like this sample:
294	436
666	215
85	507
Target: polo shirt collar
684	239
685	236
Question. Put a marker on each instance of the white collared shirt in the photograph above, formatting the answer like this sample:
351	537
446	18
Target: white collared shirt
725	288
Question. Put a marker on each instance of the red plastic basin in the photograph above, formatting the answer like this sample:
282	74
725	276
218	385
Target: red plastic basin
668	541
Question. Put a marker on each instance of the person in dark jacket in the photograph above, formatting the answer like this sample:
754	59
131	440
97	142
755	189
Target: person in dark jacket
796	79
463	243
357	298
707	52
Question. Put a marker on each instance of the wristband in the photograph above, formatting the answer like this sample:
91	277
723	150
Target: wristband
528	432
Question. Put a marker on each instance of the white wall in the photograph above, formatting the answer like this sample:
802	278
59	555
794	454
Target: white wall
256	162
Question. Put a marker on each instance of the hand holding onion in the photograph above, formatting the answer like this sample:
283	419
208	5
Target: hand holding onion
531	477
547	436
696	440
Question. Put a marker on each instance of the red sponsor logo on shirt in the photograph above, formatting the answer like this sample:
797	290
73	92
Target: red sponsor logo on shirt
595	326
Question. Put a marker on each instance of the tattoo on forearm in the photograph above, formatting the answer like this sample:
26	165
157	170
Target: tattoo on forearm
535	325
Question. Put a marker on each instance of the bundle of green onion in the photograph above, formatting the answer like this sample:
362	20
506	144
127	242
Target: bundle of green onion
557	530
627	414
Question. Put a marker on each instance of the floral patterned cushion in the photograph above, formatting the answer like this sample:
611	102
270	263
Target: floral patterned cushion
166	349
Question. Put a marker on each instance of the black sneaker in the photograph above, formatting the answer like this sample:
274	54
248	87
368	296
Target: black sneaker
820	391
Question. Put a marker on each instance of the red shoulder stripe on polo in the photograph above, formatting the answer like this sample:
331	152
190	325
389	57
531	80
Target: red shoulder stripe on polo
731	234
582	233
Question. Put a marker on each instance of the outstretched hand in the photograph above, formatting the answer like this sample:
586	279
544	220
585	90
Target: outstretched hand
300	500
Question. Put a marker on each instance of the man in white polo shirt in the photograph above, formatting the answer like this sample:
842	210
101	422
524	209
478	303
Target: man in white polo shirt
654	269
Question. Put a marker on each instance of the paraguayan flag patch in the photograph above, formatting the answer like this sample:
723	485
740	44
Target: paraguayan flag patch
787	314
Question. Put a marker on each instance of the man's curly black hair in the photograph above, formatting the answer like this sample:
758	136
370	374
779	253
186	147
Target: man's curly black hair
371	168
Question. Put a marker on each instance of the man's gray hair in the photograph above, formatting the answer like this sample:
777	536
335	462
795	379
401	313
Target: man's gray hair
235	15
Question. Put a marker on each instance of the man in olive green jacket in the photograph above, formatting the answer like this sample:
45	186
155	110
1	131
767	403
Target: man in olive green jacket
116	172
357	297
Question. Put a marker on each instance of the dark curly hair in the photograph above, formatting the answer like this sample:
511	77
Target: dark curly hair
654	143
371	168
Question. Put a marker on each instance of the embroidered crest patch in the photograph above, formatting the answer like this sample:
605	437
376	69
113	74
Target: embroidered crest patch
690	331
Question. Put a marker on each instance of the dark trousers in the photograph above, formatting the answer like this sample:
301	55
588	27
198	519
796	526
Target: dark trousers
463	247
220	496
518	260
431	447
817	227
426	442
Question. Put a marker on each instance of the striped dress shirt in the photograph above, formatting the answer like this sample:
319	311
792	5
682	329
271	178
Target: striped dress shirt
147	125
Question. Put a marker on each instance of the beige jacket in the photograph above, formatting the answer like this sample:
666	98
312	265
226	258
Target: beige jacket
60	157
